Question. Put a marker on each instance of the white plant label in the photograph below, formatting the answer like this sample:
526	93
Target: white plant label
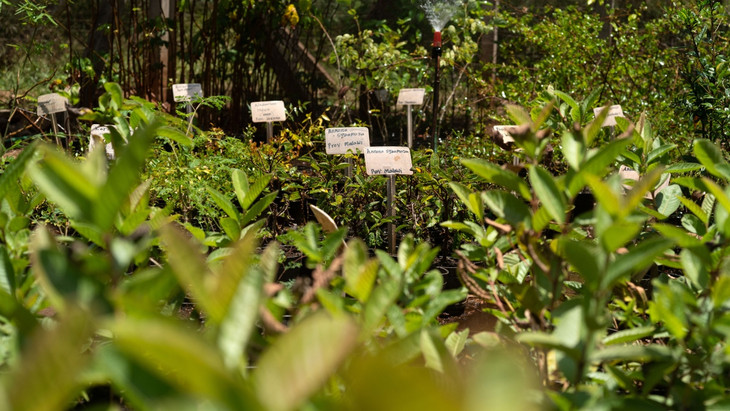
628	173
98	132
268	111
342	140
51	103
186	92
411	96
613	112
388	160
505	131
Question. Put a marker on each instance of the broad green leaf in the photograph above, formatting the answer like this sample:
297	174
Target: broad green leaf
506	205
64	184
255	190
575	109
658	152
7	272
242	309
545	340
225	204
597	165
456	341
189	267
637	259
431	354
695	267
711	157
682	167
604	195
332	243
359	271
677	235
258	207
617	234
52	356
438	304
627	353
638	192
182	358
548	192
591	130
629	335
586	258
471	200
381	298
175	135
14	170
230	227
302	360
494	174
240	186
574	149
123	175
668	199
695	209
694	225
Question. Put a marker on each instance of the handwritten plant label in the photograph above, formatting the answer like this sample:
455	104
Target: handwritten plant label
411	96
613	112
98	132
51	103
268	111
342	140
186	92
388	160
504	131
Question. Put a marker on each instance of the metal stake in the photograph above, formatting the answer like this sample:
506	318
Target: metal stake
55	128
410	126
269	131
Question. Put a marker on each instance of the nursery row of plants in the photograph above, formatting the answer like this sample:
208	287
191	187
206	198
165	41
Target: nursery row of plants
188	272
111	298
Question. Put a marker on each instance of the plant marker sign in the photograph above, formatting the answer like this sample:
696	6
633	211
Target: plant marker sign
388	160
186	92
268	112
505	131
50	104
613	112
98	132
344	139
410	97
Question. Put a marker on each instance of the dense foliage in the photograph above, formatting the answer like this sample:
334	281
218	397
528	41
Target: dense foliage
577	267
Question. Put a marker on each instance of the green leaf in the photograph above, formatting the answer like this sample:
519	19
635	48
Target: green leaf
183	359
11	174
604	195
381	298
668	199
626	353
597	165
7	272
63	183
698	211
494	174
628	335
225	204
189	267
175	135
255	190
258	207
242	308
575	109
506	205
456	341
240	185
359	271
230	227
682	168
695	267
548	192
471	200
574	149
711	157
302	360
586	258
658	152
52	355
637	259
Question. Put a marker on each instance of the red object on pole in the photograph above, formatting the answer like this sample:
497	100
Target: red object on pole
437	39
